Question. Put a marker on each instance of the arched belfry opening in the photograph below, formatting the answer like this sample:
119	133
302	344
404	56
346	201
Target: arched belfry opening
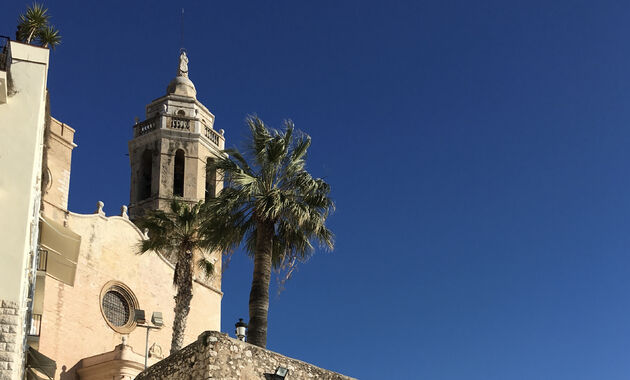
146	175
178	173
211	179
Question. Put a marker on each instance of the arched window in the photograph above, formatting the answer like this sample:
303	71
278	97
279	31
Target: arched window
178	174
211	179
181	113
146	171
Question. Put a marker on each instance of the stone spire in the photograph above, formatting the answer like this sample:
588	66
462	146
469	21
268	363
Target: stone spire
181	85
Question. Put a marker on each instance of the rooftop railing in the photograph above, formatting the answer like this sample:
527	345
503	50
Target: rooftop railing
178	123
212	135
145	126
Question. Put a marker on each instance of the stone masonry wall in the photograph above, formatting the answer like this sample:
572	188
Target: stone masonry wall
216	356
10	358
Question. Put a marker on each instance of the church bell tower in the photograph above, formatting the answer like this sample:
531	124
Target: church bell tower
172	147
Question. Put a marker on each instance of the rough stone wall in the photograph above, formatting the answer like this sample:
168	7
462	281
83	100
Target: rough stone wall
9	357
216	356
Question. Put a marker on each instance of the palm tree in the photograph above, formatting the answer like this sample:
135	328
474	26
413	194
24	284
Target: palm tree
273	205
49	36
175	234
33	26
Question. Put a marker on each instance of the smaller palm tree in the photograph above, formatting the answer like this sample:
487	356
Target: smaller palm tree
49	36
33	27
175	235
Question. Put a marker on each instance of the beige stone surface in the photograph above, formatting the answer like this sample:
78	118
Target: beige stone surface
57	164
73	326
122	363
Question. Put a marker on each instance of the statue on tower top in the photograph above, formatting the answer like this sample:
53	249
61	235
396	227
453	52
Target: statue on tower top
182	71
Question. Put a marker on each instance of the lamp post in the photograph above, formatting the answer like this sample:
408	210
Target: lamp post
141	321
241	328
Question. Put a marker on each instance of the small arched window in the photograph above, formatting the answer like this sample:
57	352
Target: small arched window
146	175
181	113
211	179
178	174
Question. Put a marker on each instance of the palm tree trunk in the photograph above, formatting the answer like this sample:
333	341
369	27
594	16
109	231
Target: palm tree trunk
30	35
184	284
259	295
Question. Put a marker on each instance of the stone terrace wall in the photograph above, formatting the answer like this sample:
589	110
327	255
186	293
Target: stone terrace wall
216	356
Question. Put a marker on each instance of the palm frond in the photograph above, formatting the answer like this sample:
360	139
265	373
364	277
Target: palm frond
206	267
49	36
33	26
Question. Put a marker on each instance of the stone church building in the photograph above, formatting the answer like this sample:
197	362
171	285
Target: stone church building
89	280
90	277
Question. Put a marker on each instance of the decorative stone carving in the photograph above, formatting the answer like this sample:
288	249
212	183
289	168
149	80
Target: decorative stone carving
123	212
99	208
155	351
182	71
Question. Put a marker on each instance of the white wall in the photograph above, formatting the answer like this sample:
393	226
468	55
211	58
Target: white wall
22	120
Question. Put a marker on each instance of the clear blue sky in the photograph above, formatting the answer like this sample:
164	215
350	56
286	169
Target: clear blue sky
477	151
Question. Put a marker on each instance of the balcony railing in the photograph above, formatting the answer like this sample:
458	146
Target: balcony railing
42	260
212	135
180	123
36	325
4	52
145	126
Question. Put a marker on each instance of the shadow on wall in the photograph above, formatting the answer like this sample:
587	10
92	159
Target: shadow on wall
69	374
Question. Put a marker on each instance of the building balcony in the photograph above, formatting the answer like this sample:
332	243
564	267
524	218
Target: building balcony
182	124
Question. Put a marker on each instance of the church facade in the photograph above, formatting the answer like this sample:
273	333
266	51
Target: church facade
90	278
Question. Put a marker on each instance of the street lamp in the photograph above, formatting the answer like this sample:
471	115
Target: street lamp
140	319
241	327
281	373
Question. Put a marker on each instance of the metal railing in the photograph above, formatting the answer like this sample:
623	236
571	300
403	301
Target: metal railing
36	325
42	260
4	52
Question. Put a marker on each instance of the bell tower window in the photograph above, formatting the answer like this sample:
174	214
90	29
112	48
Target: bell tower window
211	179
178	174
146	169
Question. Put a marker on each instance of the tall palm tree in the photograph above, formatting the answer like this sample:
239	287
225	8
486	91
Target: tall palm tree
272	204
175	234
33	27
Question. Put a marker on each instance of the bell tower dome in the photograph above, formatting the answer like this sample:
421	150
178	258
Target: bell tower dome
172	147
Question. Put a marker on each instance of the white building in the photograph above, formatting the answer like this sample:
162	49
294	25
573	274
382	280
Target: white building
23	112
